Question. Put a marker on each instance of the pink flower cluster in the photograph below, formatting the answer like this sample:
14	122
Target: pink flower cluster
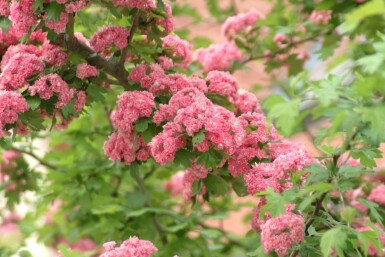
321	17
168	22
242	21
378	194
124	145
19	67
154	79
179	48
84	71
133	247
4	7
192	174
73	6
139	4
285	158
361	226
218	56
47	85
279	234
11	104
175	184
22	16
57	26
109	35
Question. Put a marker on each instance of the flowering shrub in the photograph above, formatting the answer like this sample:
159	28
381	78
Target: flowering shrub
151	135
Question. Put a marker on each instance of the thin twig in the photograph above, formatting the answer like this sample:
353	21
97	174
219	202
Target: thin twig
135	23
33	155
156	222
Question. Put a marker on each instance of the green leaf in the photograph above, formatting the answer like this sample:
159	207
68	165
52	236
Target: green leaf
366	156
239	186
326	92
275	203
333	238
371	63
373	209
33	119
141	125
199	137
210	159
370	8
54	10
285	115
5	24
216	185
96	93
348	171
33	102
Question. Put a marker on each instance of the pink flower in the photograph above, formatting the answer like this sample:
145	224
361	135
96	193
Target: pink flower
73	6
175	184
84	71
80	101
321	17
19	48
218	56
11	104
10	155
192	174
246	101
378	194
53	55
131	106
109	35
279	234
22	16
281	40
222	83
133	247
139	4
47	85
168	22
179	48
4	8
240	22
57	26
18	69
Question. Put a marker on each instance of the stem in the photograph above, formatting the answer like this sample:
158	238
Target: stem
224	233
290	45
157	224
135	23
33	155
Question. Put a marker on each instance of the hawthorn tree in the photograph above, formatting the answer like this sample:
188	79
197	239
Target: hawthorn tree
151	137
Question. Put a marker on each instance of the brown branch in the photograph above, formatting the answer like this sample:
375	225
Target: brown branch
281	50
135	23
33	155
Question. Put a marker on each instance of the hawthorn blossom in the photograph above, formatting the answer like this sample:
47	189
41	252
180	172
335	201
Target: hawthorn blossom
131	106
179	48
47	85
279	234
106	36
175	184
222	83
18	69
11	104
168	22
80	101
19	48
139	4
192	174
378	194
57	26
321	17
240	22
133	247
4	8
52	55
218	56
84	71
73	6
22	16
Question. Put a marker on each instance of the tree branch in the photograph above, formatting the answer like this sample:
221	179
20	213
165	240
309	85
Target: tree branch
135	23
33	155
157	224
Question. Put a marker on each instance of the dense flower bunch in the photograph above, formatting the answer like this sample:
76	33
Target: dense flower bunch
175	110
133	247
